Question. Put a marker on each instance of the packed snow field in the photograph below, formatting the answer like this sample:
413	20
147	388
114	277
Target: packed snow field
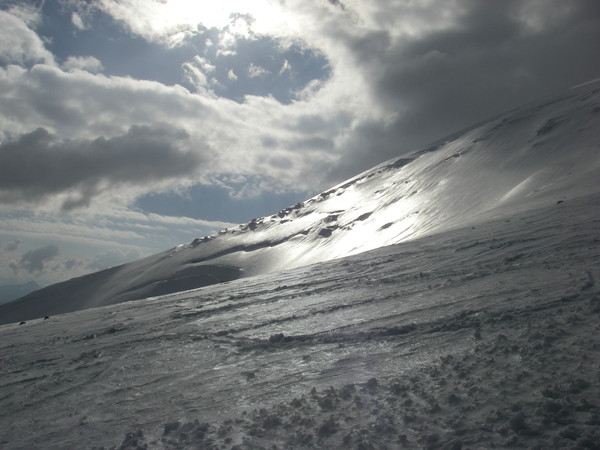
485	336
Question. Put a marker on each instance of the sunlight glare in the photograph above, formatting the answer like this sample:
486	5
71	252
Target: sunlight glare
266	17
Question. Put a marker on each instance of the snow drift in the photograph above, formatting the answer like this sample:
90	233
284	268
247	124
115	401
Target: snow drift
539	154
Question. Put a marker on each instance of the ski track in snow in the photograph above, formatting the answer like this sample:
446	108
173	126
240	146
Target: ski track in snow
485	336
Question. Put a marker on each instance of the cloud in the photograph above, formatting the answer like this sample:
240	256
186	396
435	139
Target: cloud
30	14
176	20
35	261
87	63
47	261
39	164
255	71
196	72
111	258
78	22
285	67
92	239
72	264
83	105
350	84
437	67
12	246
20	44
402	74
77	107
112	225
103	260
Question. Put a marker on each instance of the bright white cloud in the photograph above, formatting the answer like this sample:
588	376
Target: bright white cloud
87	63
167	20
29	14
196	72
86	106
285	67
20	44
78	21
255	71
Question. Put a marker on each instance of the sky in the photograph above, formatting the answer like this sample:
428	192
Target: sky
128	127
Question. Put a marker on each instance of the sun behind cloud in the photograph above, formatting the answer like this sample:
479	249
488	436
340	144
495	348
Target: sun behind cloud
173	20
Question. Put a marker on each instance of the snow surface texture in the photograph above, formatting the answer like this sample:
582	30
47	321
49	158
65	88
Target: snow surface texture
536	155
484	336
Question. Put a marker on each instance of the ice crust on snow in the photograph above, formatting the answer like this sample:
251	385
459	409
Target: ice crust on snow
536	155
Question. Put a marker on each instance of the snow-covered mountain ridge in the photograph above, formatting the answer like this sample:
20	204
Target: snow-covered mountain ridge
536	155
485	336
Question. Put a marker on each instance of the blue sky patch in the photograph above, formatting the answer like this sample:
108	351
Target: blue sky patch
216	203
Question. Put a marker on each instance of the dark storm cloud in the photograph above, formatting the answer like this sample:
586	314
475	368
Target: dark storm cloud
35	260
38	164
496	56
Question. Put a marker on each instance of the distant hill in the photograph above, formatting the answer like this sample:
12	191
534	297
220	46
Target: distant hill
12	292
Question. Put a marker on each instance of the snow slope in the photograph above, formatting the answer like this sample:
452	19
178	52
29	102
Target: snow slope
485	336
545	152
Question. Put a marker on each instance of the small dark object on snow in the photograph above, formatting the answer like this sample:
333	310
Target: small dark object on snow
271	421
518	424
328	428
46	318
276	337
371	384
170	427
22	323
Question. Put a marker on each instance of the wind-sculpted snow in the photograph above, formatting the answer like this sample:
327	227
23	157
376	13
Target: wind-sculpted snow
533	156
485	336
